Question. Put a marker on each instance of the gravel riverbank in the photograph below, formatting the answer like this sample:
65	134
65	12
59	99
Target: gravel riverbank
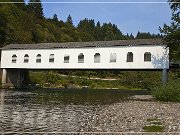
133	115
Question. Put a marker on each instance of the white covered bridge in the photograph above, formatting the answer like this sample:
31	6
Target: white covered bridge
140	54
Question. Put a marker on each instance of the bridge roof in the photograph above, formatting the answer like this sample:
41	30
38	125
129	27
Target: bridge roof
135	42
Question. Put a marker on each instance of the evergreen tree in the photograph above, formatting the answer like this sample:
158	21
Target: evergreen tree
19	25
131	36
108	32
55	18
117	33
69	21
172	32
21	4
87	26
98	25
111	32
98	32
138	34
127	36
35	6
3	30
144	35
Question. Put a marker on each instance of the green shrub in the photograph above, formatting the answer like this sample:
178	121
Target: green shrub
51	77
86	82
168	92
36	78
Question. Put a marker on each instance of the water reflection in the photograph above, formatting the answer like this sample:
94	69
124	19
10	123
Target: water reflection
53	110
2	95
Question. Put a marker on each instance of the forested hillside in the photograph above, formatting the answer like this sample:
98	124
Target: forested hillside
25	23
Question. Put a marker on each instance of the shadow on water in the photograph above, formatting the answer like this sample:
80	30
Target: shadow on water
51	96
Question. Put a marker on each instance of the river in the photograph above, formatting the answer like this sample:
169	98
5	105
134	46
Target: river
54	110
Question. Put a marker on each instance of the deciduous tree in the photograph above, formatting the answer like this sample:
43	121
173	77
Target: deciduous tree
172	32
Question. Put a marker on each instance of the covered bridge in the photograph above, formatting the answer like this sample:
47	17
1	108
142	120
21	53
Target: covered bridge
139	54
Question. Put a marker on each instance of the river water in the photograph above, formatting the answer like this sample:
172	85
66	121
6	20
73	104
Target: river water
54	110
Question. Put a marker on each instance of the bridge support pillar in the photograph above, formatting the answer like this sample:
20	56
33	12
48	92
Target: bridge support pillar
164	76
12	78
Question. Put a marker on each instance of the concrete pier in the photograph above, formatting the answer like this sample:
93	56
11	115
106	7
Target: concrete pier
4	78
12	78
164	76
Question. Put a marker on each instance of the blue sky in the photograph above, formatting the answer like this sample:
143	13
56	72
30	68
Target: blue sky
129	17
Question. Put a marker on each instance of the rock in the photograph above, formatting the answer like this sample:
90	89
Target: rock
132	116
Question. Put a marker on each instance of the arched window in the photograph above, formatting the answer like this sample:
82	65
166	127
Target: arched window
81	58
14	58
97	58
26	58
112	57
129	57
147	56
66	58
38	58
51	58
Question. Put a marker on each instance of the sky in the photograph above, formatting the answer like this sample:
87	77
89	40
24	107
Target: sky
129	17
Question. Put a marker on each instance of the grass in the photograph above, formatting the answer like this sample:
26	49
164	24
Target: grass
56	80
152	119
154	128
154	125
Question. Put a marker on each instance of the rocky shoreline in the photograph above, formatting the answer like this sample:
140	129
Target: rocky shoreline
133	115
